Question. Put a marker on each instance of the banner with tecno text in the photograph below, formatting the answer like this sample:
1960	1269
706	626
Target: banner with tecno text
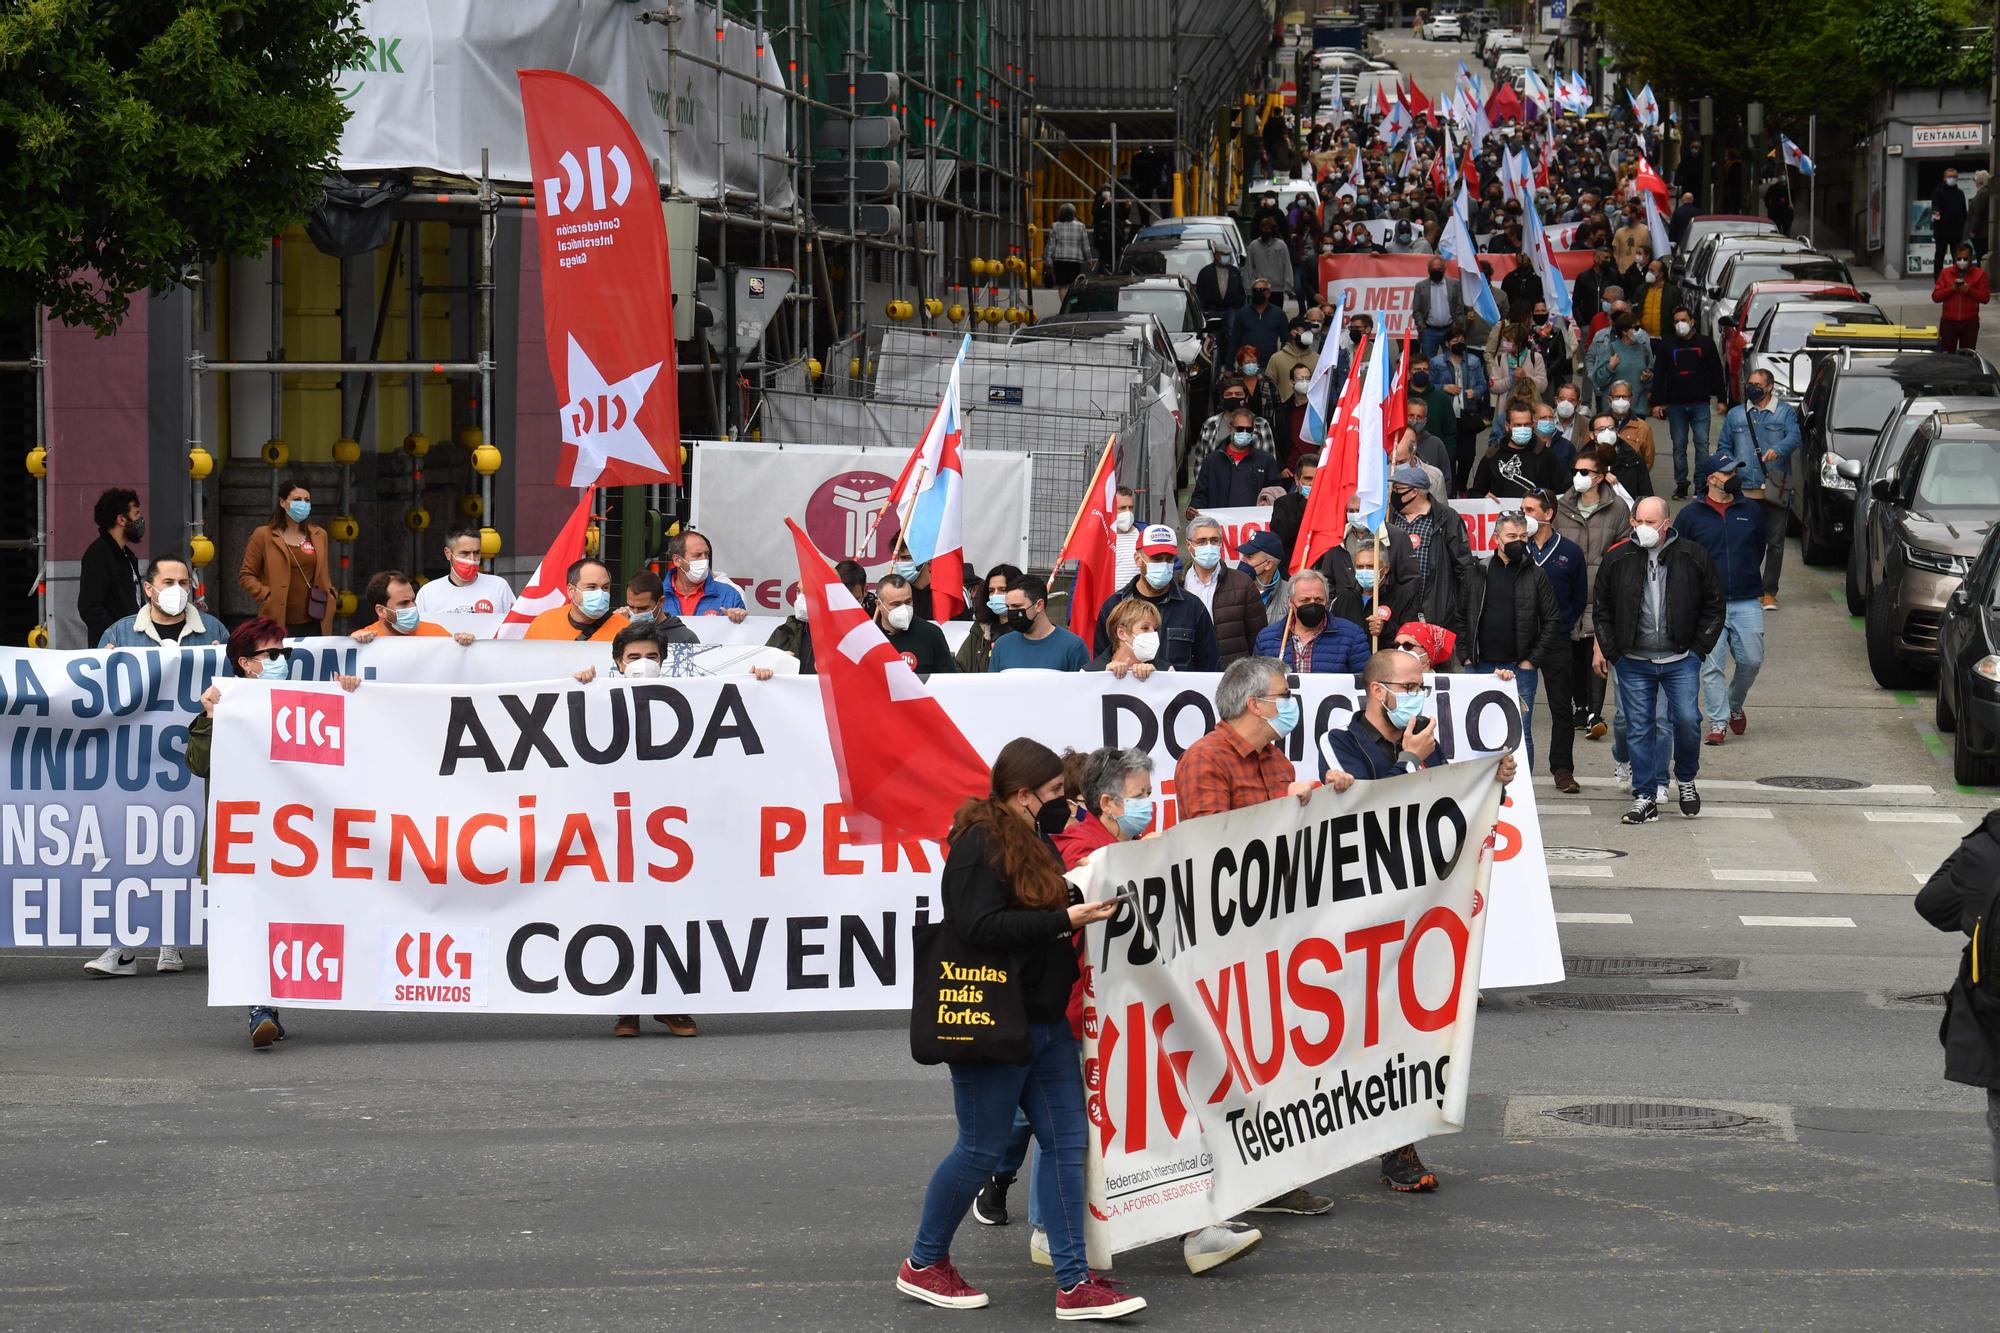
1240	524
1287	990
743	492
677	844
1381	285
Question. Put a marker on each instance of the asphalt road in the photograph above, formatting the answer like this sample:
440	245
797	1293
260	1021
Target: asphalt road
511	1173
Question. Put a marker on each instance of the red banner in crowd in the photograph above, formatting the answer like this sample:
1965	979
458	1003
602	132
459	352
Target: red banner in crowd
1380	285
607	297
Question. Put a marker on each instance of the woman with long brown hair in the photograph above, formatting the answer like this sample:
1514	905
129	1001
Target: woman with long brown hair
1004	889
286	566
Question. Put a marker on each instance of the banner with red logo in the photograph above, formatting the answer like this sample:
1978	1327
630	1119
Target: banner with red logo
1239	525
669	846
1289	990
607	296
1381	285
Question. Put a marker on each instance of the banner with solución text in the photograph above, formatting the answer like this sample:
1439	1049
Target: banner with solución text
670	847
1288	990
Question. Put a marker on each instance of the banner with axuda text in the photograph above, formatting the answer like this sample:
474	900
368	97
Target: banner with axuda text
1288	990
665	846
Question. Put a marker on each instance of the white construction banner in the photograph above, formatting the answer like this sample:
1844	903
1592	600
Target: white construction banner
666	847
1238	525
743	492
1289	989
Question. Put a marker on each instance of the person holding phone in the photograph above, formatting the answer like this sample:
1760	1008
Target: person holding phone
1961	288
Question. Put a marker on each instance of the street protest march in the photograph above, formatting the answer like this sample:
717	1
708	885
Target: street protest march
1289	990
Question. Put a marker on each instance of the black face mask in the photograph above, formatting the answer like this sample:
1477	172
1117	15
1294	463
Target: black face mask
1420	379
1018	618
1437	275
1054	817
1312	615
135	529
1734	486
1260	298
1515	550
1458	346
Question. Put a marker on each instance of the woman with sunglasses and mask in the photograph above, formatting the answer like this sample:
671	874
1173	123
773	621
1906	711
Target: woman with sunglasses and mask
256	652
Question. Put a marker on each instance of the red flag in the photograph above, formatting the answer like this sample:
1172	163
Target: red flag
549	588
1418	104
904	765
1324	522
607	299
1093	544
1468	173
1396	411
1649	180
1504	105
1381	100
1438	180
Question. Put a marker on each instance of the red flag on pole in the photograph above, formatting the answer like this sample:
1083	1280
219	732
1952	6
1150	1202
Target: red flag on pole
1468	173
607	298
549	588
1649	180
1324	523
904	765
1093	545
1418	104
1396	410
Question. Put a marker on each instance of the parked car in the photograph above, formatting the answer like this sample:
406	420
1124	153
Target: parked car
1930	515
1711	224
1200	228
1851	395
1968	687
1911	416
1788	328
1288	191
1706	260
1182	256
1442	28
1170	299
1168	408
1753	266
1737	327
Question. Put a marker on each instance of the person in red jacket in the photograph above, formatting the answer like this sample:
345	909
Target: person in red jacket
1961	289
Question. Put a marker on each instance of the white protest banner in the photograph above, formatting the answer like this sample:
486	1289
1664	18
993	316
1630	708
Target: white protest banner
1381	285
1290	990
744	490
1239	524
677	844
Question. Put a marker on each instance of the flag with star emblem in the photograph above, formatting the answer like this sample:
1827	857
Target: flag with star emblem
607	295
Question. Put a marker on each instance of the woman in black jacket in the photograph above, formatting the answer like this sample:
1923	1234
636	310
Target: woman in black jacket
1959	899
1004	889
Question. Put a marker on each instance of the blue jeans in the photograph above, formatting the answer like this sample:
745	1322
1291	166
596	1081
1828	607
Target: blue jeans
1049	1089
1012	1160
1433	339
1683	420
1526	680
1743	639
1621	752
1641	685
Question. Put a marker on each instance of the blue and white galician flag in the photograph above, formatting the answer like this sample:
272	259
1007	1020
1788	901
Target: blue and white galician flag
1535	240
1321	387
1795	156
1456	245
1371	469
929	498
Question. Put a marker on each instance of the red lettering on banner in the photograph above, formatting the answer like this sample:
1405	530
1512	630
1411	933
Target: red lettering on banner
347	841
1420	1018
675	846
430	859
285	826
835	839
780	828
1506	837
1321	1000
227	837
1370	941
468	869
894	851
576	834
1262	1069
1218	1014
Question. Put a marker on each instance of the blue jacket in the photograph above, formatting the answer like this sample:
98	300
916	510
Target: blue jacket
1568	572
1734	542
1341	646
1187	635
717	595
1359	750
136	631
1248	327
1443	373
1777	428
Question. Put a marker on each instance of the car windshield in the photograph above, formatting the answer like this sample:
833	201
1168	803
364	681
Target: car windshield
1166	302
1790	328
1864	402
1782	266
1960	474
1892	450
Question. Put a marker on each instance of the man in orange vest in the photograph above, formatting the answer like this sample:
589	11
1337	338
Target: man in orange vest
394	600
588	616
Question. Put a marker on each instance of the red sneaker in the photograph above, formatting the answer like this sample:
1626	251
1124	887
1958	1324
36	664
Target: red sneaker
1096	1298
940	1284
1716	736
1738	723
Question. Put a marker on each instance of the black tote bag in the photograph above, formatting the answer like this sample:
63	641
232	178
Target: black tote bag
966	1003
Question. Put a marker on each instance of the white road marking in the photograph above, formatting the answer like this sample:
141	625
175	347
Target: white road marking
1593	918
1836	922
1736	812
1549	811
1914	817
1741	784
1581	872
1763	876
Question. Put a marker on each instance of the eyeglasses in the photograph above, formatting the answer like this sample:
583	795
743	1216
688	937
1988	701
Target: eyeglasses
272	654
1276	698
1406	688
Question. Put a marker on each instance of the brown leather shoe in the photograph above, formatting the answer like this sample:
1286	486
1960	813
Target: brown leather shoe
1565	781
627	1026
681	1025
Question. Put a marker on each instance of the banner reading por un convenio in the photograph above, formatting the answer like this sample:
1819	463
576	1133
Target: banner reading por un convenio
1289	991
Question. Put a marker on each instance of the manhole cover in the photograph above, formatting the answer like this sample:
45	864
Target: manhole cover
1640	967
1580	854
1651	1115
1602	1002
1812	784
1932	999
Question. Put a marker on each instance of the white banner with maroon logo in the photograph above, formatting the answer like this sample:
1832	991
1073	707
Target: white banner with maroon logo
667	846
1288	990
1238	525
743	492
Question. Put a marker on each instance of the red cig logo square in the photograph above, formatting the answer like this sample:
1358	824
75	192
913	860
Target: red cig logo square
307	960
308	728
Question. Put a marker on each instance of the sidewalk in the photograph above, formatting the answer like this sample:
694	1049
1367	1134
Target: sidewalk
1907	300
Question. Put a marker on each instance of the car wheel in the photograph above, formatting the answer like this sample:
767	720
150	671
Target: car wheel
1943	715
1969	769
1814	548
1857	604
1889	670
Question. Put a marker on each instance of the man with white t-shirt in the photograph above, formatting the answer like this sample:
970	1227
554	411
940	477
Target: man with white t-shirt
1124	536
466	590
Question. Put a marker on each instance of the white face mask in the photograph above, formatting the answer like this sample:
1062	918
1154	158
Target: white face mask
1607	436
1583	481
1646	536
1683	328
1621	405
799	605
1146	645
641	668
1565	409
1123	521
173	600
1534	524
696	571
899	617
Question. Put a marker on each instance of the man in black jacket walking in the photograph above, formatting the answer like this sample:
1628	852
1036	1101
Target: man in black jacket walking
1687	379
1433	539
1959	899
1658	610
108	586
1517	626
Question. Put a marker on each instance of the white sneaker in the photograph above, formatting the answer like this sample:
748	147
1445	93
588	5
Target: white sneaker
1621	777
1660	794
1038	1248
1214	1246
169	960
114	962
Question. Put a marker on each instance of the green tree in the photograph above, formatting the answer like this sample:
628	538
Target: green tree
1794	56
140	136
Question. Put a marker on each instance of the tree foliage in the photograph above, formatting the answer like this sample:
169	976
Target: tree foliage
140	136
1916	44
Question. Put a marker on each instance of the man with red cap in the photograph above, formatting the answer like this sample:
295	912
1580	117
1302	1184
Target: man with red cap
1187	635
